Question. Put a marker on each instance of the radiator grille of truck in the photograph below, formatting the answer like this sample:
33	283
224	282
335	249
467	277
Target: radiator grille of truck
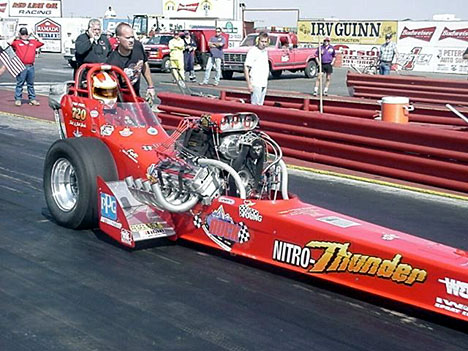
234	57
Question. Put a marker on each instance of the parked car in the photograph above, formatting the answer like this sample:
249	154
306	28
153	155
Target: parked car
283	55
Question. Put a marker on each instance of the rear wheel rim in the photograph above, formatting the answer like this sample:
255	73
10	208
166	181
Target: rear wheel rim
64	185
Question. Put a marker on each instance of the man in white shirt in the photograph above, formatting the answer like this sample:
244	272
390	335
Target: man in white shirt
257	70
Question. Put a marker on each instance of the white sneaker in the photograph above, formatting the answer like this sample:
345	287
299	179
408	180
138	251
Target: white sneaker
325	92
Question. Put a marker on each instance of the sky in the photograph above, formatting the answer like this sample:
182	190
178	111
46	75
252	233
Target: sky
340	9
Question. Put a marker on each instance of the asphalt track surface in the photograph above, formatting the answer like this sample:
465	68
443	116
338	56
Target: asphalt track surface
62	289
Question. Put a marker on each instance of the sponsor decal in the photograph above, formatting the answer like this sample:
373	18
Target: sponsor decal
152	131
111	223
424	34
303	211
390	237
338	221
221	229
107	130
125	236
461	34
94	113
146	226
451	306
77	133
334	257
455	287
77	124
246	211
108	206
79	114
126	132
131	154
147	147
226	200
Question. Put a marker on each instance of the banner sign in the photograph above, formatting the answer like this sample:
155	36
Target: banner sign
38	8
50	33
198	9
346	32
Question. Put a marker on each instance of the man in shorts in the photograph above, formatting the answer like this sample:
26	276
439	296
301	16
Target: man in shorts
327	60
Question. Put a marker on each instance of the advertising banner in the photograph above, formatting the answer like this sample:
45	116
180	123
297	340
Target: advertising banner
50	33
38	8
346	32
198	9
433	46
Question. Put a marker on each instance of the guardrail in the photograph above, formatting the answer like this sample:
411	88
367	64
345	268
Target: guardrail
415	153
434	115
418	89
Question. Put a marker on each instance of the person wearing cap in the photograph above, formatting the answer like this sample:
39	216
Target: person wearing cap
189	54
326	59
25	49
176	54
387	54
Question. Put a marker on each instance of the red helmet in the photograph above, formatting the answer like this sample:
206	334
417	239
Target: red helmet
105	88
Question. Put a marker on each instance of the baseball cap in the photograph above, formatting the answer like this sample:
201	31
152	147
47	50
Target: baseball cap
326	39
23	31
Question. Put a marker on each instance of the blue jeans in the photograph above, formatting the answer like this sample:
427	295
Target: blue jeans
384	68
209	66
26	76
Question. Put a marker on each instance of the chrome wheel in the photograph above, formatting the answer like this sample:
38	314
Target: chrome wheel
64	185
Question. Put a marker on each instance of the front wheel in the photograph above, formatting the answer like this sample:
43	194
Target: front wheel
311	69
276	74
166	65
70	170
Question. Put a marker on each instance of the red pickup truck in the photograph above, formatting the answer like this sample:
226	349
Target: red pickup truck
283	54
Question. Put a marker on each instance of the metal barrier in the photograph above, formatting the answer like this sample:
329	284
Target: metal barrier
418	89
416	153
434	115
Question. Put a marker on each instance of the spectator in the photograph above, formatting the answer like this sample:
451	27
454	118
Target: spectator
189	54
388	53
25	49
326	60
131	57
216	45
110	13
92	46
68	43
257	70
176	55
112	40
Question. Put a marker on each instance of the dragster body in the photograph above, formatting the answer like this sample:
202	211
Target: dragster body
221	182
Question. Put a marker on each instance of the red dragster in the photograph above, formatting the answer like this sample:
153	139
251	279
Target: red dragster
220	181
283	55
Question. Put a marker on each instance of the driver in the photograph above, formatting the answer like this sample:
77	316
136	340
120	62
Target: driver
105	89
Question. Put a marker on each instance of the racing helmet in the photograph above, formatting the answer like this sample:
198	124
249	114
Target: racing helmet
105	88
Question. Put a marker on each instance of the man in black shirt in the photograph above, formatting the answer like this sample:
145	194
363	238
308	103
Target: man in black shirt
131	57
92	46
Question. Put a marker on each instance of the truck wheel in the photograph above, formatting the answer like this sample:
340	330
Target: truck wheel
311	69
276	74
70	170
166	65
227	74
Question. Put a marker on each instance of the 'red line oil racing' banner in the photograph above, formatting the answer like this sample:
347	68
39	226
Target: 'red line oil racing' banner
37	8
346	32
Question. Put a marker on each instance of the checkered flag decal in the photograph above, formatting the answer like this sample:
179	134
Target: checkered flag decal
197	221
244	234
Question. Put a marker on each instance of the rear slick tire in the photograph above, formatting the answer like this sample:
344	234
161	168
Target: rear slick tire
70	188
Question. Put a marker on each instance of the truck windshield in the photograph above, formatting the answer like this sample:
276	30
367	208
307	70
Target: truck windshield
249	40
160	40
